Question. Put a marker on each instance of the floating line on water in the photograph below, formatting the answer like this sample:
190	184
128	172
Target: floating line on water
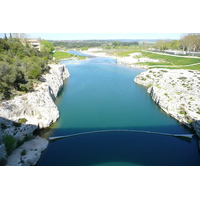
119	130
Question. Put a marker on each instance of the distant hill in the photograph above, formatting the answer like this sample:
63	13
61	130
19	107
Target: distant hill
107	40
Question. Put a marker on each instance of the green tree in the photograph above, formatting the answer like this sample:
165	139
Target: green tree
115	43
174	44
3	45
5	37
47	46
20	66
7	73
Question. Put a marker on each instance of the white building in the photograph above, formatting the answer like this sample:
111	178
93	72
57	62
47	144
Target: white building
34	43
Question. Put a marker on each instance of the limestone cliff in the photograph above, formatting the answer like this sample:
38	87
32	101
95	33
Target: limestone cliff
176	92
36	109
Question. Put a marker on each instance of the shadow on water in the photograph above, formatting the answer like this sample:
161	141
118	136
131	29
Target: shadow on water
78	109
121	149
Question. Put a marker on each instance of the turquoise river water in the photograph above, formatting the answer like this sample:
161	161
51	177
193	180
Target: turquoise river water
101	95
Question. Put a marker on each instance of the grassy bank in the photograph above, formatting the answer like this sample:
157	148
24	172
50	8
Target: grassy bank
126	52
64	55
172	59
195	67
172	62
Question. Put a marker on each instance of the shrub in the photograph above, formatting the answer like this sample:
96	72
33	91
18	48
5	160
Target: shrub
164	71
148	76
23	153
182	113
9	142
182	78
22	120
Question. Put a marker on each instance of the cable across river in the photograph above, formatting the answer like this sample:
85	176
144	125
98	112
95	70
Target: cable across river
121	130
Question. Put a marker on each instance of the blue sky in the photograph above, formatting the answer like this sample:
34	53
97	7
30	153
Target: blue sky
82	36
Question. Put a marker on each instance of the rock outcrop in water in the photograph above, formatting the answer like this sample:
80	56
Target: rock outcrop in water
34	110
133	60
176	92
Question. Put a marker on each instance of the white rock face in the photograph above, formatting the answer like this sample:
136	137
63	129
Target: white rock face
37	107
28	153
176	92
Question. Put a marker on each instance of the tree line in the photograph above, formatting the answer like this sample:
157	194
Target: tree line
91	43
21	66
188	42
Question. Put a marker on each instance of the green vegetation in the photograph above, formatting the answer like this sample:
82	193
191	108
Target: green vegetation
156	63
164	45
194	67
22	120
182	78
9	142
47	46
61	55
172	59
124	52
23	153
91	43
64	55
171	62
20	66
182	112
189	42
84	48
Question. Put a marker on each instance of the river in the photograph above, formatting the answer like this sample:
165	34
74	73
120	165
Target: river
101	95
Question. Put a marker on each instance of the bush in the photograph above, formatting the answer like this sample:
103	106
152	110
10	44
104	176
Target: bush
9	142
22	120
34	72
23	153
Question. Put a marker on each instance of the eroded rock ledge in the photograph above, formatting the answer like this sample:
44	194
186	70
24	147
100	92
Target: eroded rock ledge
176	92
37	109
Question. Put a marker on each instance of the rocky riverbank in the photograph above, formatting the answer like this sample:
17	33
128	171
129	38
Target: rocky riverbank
22	115
176	92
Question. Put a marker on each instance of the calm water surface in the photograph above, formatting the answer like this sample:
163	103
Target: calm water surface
101	95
